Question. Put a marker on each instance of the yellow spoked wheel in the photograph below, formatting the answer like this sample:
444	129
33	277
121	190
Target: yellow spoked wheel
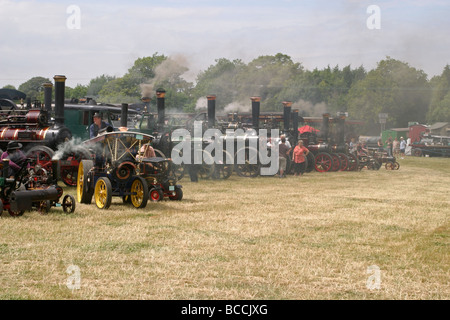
139	192
103	193
84	194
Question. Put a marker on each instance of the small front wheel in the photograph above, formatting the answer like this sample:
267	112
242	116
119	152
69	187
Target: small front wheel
156	195
44	207
139	192
178	194
103	193
68	204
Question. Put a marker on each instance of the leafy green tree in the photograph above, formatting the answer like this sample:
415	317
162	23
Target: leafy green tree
97	84
9	86
394	88
78	92
33	88
127	89
219	80
266	76
440	100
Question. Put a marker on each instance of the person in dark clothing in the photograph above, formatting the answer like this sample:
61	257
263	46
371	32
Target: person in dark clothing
390	145
97	125
16	157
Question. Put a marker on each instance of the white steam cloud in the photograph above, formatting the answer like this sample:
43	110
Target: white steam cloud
310	109
169	70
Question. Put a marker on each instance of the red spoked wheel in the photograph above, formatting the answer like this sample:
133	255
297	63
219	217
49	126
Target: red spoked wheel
336	162
68	165
344	161
156	195
41	157
323	162
353	162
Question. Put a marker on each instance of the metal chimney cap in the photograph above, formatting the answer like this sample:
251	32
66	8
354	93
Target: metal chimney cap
287	103
47	84
256	99
211	97
160	93
59	78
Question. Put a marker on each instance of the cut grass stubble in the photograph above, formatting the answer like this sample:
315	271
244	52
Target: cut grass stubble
309	237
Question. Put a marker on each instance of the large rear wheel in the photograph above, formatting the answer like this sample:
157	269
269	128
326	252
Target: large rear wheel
344	161
68	165
246	163
353	162
84	192
336	162
323	162
41	157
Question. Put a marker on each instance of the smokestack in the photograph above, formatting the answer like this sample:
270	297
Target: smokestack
60	83
325	125
48	87
287	115
255	111
294	116
124	117
146	101
55	171
211	111
160	94
341	129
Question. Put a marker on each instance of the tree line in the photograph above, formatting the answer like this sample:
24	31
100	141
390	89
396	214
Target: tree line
393	87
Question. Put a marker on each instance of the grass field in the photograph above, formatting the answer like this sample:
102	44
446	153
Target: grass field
310	237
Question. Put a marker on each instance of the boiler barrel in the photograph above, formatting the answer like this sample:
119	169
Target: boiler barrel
23	200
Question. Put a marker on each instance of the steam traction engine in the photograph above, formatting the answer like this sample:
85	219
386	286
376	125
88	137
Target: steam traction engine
329	154
33	129
28	189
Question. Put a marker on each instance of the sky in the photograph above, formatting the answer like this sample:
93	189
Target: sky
86	39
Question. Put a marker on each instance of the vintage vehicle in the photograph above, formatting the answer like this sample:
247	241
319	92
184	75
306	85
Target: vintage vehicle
382	157
431	146
329	153
117	169
161	179
48	132
31	188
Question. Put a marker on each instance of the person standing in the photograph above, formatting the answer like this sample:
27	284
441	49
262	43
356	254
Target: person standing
282	156
299	158
380	145
389	144
396	146
402	147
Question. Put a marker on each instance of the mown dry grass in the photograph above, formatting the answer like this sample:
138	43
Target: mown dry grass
265	238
